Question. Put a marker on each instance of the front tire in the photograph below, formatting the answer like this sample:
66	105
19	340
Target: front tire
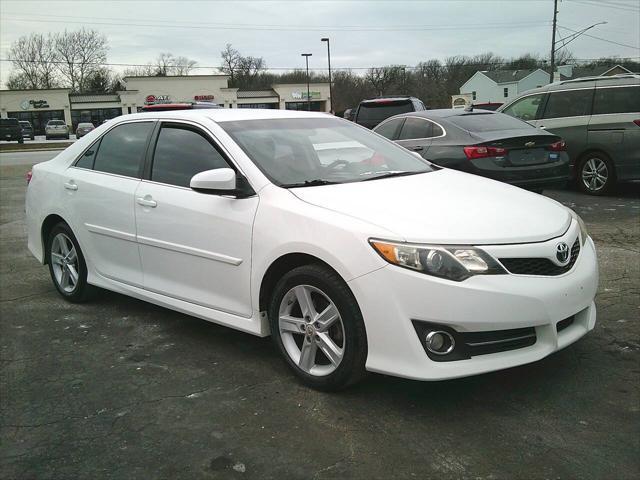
318	328
596	174
67	266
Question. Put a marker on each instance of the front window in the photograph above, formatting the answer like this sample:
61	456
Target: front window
506	92
526	108
314	151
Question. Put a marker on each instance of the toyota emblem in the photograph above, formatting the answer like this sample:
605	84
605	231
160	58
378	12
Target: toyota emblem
562	252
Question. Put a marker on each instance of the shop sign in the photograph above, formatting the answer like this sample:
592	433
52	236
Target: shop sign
155	99
26	104
203	98
303	95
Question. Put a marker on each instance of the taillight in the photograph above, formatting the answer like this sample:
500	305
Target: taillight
559	146
637	122
476	151
29	176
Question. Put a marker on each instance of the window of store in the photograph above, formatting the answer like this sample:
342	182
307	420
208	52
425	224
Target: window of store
38	119
315	106
257	105
96	116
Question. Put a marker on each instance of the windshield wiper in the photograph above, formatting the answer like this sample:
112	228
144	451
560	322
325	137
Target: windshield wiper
391	174
309	183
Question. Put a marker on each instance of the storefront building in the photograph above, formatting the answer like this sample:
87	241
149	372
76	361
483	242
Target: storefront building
40	106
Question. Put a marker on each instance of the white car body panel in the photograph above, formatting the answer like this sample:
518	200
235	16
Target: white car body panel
207	255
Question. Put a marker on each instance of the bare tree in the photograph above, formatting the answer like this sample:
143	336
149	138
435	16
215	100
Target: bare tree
147	70
230	62
81	53
382	78
183	65
33	58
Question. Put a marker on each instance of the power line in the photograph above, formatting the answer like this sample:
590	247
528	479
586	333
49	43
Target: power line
600	38
615	6
485	26
407	67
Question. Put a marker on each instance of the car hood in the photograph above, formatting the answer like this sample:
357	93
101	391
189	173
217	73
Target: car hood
445	206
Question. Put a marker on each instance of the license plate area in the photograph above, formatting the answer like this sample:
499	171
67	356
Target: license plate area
529	156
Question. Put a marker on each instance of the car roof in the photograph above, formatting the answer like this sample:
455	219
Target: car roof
445	113
227	114
588	82
388	99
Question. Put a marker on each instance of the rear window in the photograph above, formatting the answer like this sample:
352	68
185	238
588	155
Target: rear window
616	100
488	122
56	122
379	111
5	122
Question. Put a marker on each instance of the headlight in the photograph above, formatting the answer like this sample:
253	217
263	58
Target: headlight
445	261
583	228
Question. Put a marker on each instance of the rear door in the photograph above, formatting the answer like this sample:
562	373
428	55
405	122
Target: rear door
416	135
100	192
194	246
612	128
567	114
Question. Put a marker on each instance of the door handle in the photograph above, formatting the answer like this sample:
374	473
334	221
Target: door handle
417	149
71	186
147	202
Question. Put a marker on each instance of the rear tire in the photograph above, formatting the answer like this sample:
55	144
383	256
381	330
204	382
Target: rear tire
333	323
67	266
596	174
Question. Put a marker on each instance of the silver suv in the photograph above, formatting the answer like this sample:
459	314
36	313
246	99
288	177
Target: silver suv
598	117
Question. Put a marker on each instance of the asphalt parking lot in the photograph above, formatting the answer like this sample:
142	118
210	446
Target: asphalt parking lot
118	388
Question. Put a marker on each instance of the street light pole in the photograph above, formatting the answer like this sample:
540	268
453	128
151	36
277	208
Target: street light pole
330	84
306	57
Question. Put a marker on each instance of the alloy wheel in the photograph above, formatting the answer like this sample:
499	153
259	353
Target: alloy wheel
65	263
595	174
311	330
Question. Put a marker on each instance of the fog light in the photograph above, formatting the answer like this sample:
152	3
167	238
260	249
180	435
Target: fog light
440	342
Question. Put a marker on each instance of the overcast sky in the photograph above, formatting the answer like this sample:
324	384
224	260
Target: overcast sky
363	33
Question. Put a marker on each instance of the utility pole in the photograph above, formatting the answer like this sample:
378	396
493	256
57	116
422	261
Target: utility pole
553	38
306	57
330	85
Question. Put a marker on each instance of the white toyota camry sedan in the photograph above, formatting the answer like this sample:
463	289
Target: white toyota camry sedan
354	254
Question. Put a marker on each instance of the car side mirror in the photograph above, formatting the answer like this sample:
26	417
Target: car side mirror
221	181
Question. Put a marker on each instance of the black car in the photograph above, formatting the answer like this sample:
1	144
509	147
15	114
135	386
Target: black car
27	129
486	143
10	130
371	112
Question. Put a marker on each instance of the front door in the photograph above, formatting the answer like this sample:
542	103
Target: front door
416	134
194	246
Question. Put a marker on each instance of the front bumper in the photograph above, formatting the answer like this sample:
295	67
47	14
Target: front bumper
391	298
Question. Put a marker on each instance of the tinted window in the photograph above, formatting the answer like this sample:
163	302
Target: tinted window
379	111
488	122
181	153
86	160
56	122
8	121
616	100
570	103
437	131
122	148
526	108
389	129
415	128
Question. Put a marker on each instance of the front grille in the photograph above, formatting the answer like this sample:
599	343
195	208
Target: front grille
483	343
540	266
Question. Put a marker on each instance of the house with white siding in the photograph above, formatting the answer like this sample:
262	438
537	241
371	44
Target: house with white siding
500	86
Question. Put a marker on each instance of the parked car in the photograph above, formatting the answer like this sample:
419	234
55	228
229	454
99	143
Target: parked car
56	129
83	129
371	112
599	118
10	130
382	262
165	107
486	143
27	129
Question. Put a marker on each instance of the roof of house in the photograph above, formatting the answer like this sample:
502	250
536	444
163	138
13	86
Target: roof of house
596	71
508	76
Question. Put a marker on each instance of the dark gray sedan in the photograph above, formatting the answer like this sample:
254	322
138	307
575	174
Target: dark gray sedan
486	143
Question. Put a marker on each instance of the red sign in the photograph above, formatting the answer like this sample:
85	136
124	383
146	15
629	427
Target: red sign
150	99
203	98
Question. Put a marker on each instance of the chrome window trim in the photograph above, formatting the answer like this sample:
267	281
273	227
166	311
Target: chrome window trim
444	134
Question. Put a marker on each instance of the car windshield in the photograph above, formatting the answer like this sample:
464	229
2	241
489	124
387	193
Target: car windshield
381	110
316	151
488	122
